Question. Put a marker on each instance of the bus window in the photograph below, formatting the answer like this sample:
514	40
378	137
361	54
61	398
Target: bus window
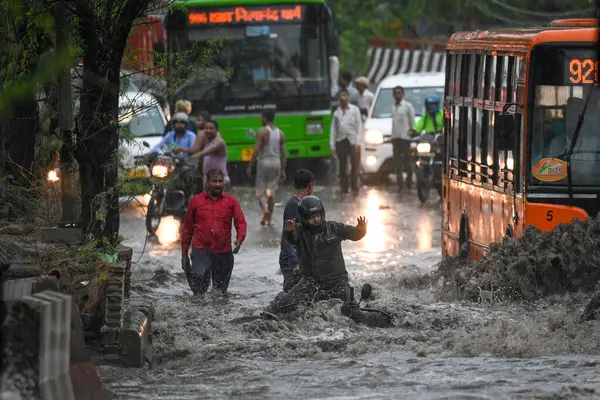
477	143
498	87
504	83
471	74
456	133
562	83
457	81
451	75
478	84
511	84
482	77
490	77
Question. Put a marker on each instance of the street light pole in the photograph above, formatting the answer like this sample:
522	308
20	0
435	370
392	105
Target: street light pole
69	216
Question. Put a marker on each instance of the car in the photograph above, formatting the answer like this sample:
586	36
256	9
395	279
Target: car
141	119
376	155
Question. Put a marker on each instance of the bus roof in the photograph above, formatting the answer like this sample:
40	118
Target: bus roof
231	3
521	39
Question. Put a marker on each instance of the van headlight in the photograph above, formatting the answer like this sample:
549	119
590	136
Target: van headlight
160	171
373	137
423	148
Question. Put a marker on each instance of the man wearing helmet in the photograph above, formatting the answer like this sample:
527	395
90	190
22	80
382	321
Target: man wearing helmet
433	119
318	245
180	136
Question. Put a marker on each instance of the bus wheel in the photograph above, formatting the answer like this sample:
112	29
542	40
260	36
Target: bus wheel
510	232
463	237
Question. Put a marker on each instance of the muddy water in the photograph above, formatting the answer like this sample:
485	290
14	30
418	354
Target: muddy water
457	350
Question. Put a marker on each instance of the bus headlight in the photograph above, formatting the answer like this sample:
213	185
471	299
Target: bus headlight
373	137
160	171
423	148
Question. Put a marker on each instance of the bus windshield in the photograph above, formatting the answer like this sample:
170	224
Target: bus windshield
254	63
415	96
563	78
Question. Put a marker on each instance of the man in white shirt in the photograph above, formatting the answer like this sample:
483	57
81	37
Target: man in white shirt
345	138
403	119
366	96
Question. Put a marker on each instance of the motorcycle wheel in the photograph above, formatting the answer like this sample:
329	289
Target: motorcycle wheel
152	214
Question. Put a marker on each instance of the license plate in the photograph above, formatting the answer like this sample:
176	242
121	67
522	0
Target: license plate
137	173
247	154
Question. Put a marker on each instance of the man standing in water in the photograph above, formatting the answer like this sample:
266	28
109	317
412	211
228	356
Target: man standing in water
270	167
288	261
208	223
345	138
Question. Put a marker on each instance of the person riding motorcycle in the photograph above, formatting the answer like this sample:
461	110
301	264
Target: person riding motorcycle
433	119
318	245
180	136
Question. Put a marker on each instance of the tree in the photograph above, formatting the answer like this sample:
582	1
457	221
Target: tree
25	30
358	20
102	28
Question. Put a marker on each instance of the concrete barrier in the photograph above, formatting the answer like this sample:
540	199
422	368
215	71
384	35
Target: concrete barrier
135	339
43	348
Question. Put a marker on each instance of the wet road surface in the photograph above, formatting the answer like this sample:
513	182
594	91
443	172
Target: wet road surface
436	350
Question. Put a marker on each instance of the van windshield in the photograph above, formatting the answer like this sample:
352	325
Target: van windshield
415	96
142	122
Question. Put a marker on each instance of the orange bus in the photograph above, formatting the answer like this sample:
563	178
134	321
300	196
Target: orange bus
514	155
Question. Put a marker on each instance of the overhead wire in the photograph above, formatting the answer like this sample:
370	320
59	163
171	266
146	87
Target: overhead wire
541	13
498	16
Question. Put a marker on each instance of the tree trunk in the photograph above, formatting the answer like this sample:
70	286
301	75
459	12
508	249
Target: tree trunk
97	146
19	129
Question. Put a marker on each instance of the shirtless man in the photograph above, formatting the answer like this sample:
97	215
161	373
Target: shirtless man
270	167
211	148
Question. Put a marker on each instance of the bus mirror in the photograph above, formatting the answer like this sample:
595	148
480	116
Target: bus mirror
504	131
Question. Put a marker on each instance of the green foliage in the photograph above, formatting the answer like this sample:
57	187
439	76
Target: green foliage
359	20
26	57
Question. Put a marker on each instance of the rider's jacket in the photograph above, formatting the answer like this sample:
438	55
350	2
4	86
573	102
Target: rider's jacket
426	123
319	250
172	140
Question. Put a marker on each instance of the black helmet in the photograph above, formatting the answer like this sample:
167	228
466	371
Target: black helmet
308	207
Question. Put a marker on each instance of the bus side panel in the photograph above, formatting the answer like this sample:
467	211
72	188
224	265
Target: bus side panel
240	141
488	213
547	216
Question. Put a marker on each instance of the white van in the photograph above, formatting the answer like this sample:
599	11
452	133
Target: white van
141	114
376	156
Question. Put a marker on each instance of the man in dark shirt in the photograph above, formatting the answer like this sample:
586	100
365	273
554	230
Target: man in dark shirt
288	261
208	222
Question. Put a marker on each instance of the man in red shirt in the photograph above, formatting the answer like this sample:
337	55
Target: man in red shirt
208	221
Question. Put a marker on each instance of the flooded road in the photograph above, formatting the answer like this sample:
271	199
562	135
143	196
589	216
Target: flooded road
436	350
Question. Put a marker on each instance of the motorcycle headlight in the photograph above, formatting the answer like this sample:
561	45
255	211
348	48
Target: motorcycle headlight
160	171
423	148
373	137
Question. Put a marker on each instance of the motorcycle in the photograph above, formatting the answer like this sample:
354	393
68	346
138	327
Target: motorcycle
371	317
428	156
167	198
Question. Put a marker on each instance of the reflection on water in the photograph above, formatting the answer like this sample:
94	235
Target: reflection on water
425	232
168	231
375	238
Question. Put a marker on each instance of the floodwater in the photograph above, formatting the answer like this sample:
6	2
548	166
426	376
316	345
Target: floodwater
436	350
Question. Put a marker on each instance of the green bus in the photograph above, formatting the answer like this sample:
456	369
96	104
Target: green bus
270	54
